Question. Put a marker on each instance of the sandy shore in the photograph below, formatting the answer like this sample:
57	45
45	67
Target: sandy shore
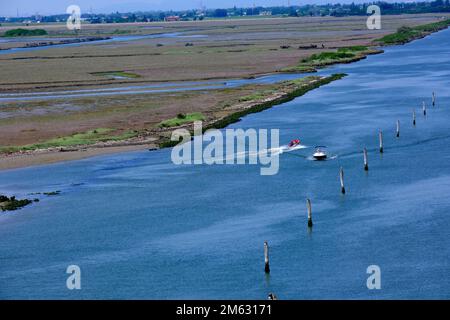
43	157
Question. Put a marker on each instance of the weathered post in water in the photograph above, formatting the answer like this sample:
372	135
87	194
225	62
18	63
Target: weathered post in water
381	141
272	296
398	128
433	99
308	206
341	176
424	108
414	117
366	160
266	257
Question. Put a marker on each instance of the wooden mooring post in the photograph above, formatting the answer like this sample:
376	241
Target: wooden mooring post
341	177
308	206
398	128
266	257
366	160
380	137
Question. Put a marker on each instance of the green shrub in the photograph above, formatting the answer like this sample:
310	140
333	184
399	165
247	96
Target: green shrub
329	56
353	48
185	118
25	32
11	204
405	34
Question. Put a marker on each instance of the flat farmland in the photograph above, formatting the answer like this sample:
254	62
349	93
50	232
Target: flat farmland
221	49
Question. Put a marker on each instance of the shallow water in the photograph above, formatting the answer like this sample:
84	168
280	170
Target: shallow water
140	227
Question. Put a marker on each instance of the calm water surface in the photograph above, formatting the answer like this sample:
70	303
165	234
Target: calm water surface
140	227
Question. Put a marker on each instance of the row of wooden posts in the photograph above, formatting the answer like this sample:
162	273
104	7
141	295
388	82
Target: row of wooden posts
341	177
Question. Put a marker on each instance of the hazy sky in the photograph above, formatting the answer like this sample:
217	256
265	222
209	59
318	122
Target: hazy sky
29	7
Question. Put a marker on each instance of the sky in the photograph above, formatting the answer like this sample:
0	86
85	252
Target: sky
30	7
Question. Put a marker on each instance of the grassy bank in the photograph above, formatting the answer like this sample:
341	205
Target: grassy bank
356	53
407	34
323	59
79	139
297	89
181	119
294	88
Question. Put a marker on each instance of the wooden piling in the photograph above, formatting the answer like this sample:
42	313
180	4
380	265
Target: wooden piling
308	205
398	128
341	176
414	117
434	99
266	257
366	160
381	141
424	108
272	296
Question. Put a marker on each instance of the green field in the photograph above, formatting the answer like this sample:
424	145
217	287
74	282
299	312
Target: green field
84	138
182	119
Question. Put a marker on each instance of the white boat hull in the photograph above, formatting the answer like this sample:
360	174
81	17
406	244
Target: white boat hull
319	156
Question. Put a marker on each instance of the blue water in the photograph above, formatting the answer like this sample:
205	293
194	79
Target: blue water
141	227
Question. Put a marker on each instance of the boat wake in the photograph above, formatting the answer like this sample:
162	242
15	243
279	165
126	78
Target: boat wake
286	148
244	155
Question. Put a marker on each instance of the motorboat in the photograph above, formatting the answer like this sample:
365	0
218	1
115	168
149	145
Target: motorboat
294	143
320	153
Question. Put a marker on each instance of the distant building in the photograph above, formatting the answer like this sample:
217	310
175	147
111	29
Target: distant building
265	13
172	18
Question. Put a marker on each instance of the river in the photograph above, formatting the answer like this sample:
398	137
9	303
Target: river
141	227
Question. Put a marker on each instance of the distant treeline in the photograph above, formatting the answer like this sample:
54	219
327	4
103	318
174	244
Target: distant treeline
336	10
